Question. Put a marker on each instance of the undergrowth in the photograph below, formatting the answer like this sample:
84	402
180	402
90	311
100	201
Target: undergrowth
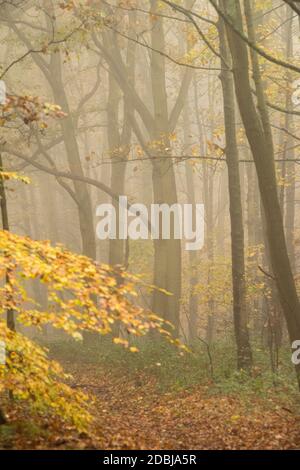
174	371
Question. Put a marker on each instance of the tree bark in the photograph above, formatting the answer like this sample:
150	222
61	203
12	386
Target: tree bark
119	141
258	135
167	253
290	153
193	256
159	125
244	354
83	199
10	315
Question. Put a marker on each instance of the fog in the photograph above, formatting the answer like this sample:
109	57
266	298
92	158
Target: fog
192	106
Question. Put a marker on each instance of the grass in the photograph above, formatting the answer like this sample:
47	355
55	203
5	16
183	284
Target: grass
174	372
10	432
171	372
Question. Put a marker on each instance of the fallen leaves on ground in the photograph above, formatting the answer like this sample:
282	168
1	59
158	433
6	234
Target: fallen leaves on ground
130	413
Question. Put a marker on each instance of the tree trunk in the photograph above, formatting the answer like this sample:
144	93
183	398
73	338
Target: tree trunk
193	256
83	199
118	167
119	141
10	315
167	253
244	354
290	153
259	139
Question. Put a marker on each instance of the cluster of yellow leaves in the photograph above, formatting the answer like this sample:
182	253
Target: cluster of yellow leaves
31	376
284	181
216	284
13	176
82	296
90	12
263	5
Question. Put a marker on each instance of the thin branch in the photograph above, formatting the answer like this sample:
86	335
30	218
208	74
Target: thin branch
251	44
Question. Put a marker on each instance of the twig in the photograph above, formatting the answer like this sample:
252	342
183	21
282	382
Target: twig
267	274
209	356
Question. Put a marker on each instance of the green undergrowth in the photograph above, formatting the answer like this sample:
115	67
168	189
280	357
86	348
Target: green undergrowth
174	371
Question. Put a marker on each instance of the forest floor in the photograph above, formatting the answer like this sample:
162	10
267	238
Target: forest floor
132	413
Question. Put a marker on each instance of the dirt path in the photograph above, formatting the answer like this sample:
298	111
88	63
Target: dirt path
131	414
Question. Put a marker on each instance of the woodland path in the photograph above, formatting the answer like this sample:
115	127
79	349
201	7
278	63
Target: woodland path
131	413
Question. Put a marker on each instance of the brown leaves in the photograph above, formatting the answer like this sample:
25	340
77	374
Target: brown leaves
130	413
141	418
28	109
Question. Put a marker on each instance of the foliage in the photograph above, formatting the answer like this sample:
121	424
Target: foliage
174	372
12	176
29	375
82	296
29	110
172	401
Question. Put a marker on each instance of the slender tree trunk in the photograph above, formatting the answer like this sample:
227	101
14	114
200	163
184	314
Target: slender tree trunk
290	153
222	212
254	234
118	168
119	141
193	256
254	238
208	192
244	354
10	316
83	199
167	253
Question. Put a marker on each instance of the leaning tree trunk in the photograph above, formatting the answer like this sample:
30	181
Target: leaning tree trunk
244	354
258	135
290	152
82	194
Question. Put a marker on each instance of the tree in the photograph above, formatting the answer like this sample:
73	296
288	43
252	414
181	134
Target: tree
74	282
53	73
159	125
83	296
257	127
244	355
